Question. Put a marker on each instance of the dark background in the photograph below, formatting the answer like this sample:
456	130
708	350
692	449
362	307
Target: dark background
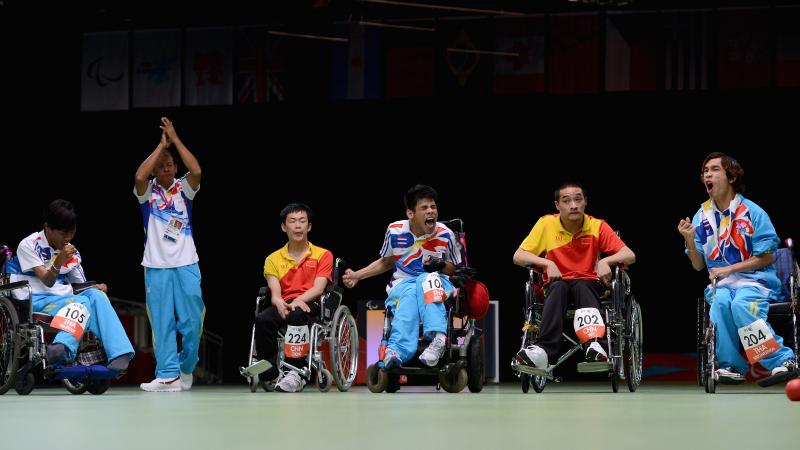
495	161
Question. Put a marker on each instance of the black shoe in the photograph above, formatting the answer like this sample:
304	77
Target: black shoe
56	354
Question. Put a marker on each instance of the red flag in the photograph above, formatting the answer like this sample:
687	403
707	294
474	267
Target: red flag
576	53
632	49
787	58
744	50
523	73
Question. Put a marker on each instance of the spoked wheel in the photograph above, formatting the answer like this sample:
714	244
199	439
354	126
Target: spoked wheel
344	348
633	347
9	363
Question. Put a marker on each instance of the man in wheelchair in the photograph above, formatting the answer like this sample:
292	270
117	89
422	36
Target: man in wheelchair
734	238
567	247
415	292
297	275
51	264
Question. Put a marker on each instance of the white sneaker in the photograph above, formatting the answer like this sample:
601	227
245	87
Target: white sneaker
391	359
162	385
291	382
430	357
729	375
186	381
596	352
785	367
533	356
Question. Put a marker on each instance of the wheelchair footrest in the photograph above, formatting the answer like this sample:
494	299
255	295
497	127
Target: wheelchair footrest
256	368
530	370
593	367
81	372
779	378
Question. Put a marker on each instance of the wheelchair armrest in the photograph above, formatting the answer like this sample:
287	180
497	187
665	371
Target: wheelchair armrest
535	275
77	288
12	286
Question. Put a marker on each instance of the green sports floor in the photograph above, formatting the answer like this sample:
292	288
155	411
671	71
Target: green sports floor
566	415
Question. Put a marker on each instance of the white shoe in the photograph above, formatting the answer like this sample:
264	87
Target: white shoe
785	367
430	357
391	359
162	385
596	352
291	382
729	375
186	381
533	356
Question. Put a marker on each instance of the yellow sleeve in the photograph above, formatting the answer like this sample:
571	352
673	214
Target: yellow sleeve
534	242
270	268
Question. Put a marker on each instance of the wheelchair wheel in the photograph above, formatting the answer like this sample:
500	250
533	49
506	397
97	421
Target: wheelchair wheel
615	374
377	379
344	348
8	344
324	380
253	383
632	356
476	374
453	383
710	366
98	387
77	388
24	385
701	346
394	384
525	380
538	383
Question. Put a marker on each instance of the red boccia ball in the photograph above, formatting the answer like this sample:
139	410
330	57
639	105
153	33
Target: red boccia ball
793	389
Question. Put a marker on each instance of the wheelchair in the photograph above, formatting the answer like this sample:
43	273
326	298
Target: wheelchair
462	363
336	326
23	344
781	315
623	319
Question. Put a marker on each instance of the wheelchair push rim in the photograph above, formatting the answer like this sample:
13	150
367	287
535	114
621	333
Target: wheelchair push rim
344	348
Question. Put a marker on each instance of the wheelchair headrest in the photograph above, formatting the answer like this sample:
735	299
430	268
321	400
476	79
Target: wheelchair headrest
784	266
5	255
476	296
457	225
339	266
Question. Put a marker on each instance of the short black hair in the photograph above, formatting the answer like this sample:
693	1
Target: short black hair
295	207
733	170
557	193
417	193
60	215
